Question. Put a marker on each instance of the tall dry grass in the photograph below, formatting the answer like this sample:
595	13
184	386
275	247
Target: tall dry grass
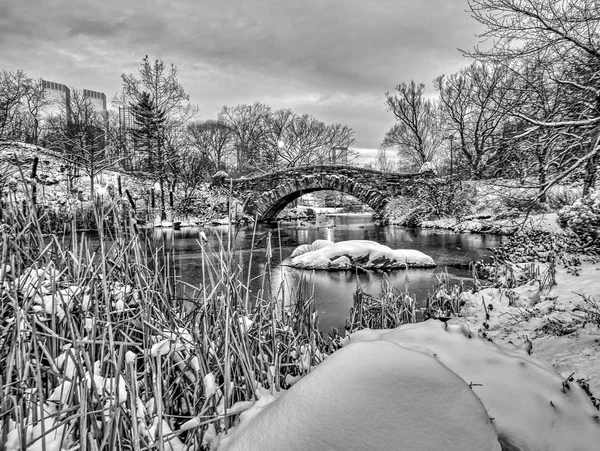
102	346
387	311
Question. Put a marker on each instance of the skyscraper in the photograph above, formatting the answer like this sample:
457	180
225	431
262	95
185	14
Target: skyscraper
98	99
59	98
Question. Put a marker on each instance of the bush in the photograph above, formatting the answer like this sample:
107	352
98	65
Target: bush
583	217
561	196
521	203
405	211
445	198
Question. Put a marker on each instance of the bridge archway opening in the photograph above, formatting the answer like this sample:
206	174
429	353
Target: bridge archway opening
330	200
277	206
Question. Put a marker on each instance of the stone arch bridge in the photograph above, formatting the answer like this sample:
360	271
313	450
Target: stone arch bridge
266	195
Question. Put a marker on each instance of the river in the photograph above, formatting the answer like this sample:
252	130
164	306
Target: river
333	291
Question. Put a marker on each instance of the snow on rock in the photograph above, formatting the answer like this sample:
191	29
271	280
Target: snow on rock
356	253
531	405
371	395
316	245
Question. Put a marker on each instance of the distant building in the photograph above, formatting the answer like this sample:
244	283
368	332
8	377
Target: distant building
339	155
59	98
126	119
98	99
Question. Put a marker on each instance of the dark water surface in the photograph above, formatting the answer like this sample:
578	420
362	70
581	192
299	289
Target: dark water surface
333	291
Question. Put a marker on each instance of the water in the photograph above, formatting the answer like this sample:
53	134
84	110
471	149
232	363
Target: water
333	291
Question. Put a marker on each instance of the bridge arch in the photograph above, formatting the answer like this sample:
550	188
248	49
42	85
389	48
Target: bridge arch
269	204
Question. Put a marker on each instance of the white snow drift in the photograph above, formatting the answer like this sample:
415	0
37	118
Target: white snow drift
531	405
422	386
372	395
356	253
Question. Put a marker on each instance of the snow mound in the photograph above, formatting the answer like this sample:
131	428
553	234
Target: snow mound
531	405
304	248
356	253
371	395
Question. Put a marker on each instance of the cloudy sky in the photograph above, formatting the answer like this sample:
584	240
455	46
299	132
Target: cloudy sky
333	59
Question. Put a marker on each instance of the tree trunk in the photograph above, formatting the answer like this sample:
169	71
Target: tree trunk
541	157
542	182
591	173
591	166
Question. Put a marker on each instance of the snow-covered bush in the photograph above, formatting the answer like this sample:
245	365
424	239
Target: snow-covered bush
583	217
522	202
433	198
561	196
369	395
446	198
405	211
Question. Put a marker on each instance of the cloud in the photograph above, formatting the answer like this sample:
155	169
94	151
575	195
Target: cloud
334	59
94	28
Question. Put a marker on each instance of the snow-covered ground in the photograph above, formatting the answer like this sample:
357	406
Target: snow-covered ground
487	224
323	254
422	386
370	395
553	319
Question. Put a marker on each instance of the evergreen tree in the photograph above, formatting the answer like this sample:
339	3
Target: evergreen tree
148	133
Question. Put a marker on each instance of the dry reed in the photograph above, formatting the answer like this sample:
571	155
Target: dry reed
104	347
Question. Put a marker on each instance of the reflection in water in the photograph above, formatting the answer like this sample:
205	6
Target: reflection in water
333	291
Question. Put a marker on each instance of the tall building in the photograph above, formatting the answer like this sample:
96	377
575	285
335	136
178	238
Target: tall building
339	155
98	99
59	98
126	119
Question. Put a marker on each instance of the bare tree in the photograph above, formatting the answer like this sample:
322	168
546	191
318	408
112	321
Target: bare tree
417	133
475	105
541	150
305	140
383	162
566	34
13	87
81	141
169	100
276	139
266	140
213	141
35	101
341	137
248	123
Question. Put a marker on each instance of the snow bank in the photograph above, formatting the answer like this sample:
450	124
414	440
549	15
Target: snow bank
554	319
356	253
531	405
371	395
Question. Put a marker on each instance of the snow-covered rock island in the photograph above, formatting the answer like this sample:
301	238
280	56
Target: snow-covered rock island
364	254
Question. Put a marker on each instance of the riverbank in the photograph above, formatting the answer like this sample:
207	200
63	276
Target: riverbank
544	295
557	322
492	225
